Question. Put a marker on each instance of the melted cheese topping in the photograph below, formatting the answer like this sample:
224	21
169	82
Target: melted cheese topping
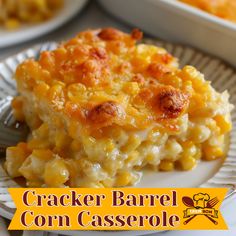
103	78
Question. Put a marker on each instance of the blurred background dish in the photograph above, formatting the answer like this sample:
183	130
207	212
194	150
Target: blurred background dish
225	9
13	13
179	22
19	23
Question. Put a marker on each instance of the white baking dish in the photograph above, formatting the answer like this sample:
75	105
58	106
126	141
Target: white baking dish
177	22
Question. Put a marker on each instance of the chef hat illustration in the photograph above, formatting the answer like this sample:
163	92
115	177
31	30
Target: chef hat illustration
201	196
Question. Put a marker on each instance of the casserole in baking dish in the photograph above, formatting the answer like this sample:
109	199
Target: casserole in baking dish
225	9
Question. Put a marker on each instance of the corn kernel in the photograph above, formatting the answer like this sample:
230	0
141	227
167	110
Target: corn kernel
71	165
166	165
224	124
12	24
131	88
40	4
173	149
60	54
109	146
172	80
56	173
75	92
188	85
123	179
152	156
133	142
43	154
133	159
198	154
212	152
187	144
108	182
42	131
56	96
189	148
15	156
156	136
38	143
27	171
187	162
72	130
62	140
200	134
190	73
41	89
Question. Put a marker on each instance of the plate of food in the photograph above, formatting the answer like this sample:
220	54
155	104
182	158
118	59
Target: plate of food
108	109
24	20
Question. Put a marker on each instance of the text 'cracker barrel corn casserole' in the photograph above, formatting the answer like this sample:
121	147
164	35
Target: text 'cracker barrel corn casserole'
101	108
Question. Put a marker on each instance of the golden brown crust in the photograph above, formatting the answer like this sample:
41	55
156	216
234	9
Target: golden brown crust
136	34
165	101
98	53
101	77
139	79
157	70
172	102
110	34
105	113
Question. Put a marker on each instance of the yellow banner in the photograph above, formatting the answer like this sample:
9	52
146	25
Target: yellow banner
117	209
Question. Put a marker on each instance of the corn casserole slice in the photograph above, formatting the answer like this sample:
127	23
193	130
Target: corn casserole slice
101	108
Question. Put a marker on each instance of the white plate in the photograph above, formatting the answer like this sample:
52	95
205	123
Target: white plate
217	173
178	22
30	31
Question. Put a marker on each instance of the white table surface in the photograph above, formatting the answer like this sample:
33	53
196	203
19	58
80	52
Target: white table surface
94	17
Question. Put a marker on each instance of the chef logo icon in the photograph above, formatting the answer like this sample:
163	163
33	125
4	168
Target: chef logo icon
200	204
